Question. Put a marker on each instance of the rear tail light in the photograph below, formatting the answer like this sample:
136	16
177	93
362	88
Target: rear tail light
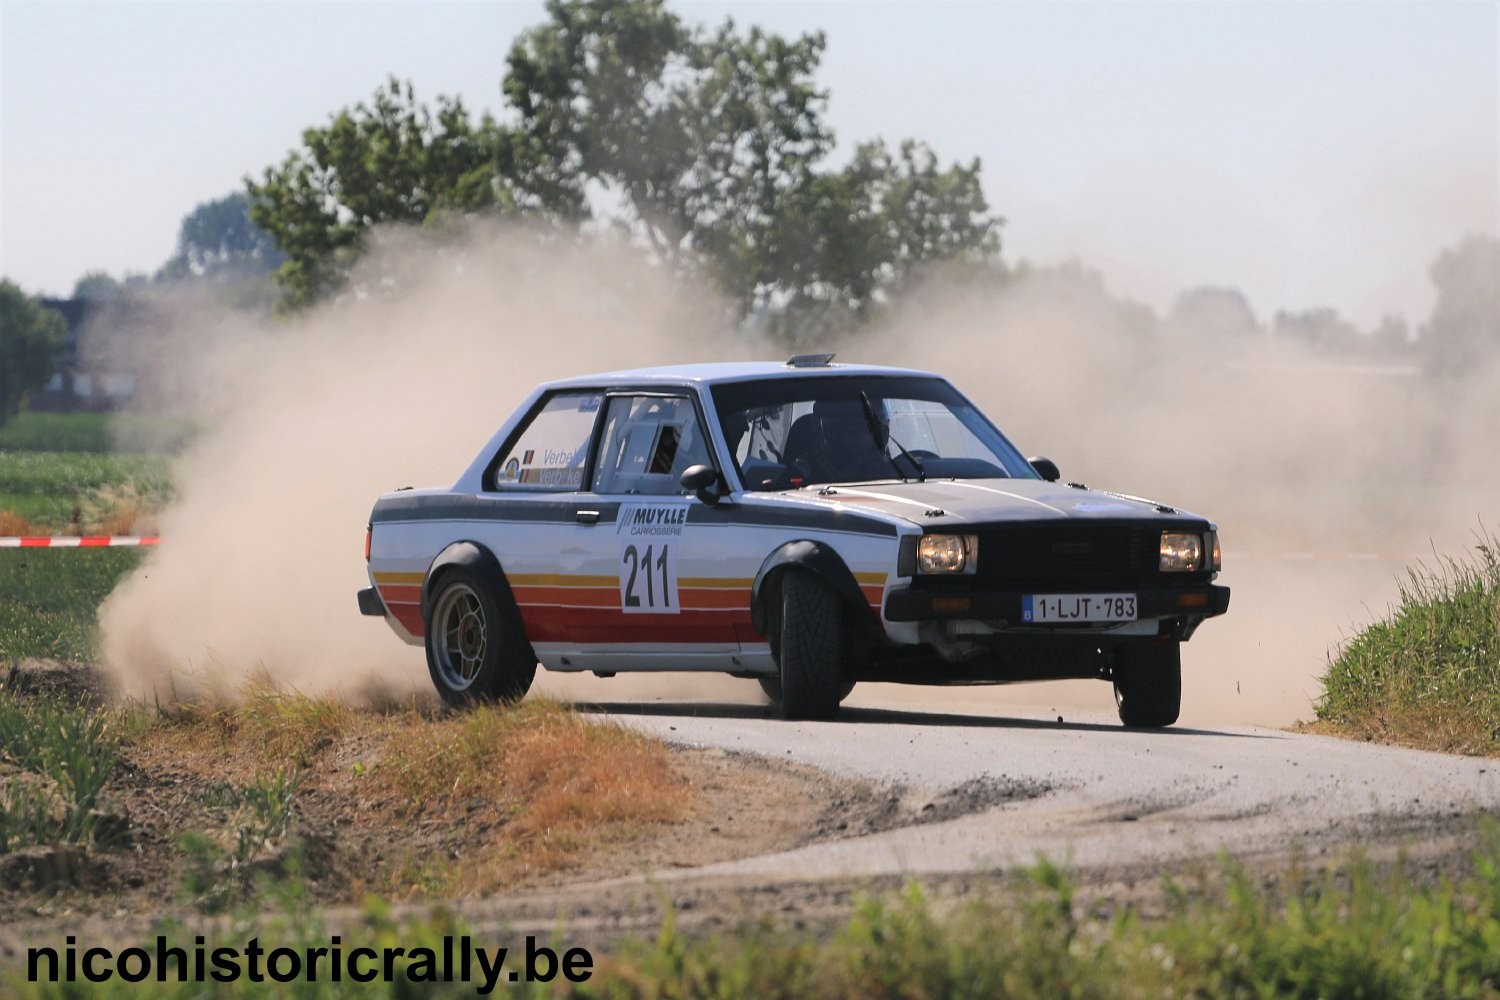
368	532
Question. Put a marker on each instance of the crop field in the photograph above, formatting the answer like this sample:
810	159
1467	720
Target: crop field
57	477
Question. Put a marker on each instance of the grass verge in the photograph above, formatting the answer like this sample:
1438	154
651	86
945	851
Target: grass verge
1357	930
1429	674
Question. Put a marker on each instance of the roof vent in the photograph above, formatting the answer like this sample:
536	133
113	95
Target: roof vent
809	361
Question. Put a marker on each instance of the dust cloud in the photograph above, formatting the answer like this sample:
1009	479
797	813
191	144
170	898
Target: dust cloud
304	425
1324	474
1327	475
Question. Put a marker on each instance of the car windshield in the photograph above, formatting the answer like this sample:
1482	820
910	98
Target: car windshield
790	432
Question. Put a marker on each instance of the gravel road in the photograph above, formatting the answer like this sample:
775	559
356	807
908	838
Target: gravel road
1085	790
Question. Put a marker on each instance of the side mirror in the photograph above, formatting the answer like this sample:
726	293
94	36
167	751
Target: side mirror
1046	468
699	479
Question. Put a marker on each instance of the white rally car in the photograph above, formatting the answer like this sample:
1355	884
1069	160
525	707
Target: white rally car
809	525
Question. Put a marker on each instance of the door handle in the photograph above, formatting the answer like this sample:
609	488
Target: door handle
588	517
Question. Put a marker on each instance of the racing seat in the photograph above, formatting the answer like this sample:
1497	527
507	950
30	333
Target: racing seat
802	439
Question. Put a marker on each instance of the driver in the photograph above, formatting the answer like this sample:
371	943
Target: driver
846	448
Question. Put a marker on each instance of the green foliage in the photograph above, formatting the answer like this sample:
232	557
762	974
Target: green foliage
1429	674
221	866
1360	934
219	241
30	431
588	86
1464	331
32	339
27	816
98	285
713	142
96	432
74	748
1213	313
49	597
391	160
1352	931
709	146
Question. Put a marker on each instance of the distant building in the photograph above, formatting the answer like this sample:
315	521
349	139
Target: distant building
87	381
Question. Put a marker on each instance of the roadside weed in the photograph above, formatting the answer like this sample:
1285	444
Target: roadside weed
1429	674
75	749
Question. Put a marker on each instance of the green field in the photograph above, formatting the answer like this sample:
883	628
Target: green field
60	491
48	599
93	432
55	478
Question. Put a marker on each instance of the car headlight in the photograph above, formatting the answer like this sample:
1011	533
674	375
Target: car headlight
947	553
1217	557
1181	552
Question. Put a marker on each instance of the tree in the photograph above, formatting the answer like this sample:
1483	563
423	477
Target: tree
1210	312
96	285
1321	329
391	160
708	147
594	107
219	241
711	143
861	234
1463	333
32	339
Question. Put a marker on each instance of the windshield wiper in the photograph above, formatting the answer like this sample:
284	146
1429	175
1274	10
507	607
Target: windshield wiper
875	429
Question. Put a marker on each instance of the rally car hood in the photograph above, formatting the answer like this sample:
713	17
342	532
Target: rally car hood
978	501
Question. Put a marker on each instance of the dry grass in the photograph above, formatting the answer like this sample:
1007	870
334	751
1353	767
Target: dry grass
265	724
459	803
120	509
542	783
113	510
15	524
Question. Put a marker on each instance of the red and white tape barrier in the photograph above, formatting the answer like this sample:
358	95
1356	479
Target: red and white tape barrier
75	541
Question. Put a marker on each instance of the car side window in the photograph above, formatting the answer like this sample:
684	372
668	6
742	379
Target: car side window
549	453
648	442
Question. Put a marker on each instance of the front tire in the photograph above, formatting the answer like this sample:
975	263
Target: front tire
1148	684
770	684
809	648
476	652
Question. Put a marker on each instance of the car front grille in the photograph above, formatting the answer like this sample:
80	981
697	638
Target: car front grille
1036	558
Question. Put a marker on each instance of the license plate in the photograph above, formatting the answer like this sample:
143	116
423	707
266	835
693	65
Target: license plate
1078	608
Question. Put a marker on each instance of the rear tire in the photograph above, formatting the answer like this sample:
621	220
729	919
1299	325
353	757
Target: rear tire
476	649
1148	684
809	648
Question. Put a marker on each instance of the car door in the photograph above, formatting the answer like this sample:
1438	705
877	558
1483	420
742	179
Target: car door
655	598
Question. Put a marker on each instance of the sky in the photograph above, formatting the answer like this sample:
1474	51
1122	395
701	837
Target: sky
1309	153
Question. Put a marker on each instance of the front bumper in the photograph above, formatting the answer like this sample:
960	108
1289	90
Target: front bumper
1004	607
